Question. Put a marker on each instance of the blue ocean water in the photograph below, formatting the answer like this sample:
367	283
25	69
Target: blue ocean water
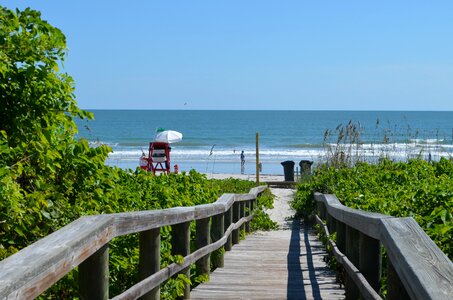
213	140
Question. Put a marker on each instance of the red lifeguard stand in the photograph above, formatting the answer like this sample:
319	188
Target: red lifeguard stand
159	157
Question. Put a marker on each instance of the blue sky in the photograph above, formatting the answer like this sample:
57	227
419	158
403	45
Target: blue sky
291	55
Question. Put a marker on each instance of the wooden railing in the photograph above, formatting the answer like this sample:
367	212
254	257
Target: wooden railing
84	243
416	267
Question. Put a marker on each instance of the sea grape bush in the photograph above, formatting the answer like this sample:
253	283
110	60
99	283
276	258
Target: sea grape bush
417	188
261	220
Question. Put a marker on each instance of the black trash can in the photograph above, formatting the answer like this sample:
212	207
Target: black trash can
305	168
288	169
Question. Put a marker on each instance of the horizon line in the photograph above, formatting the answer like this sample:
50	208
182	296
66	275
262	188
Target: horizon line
306	110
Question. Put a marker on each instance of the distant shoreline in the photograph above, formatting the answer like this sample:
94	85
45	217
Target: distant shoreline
251	177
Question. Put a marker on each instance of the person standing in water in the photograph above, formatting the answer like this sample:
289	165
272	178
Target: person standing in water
242	162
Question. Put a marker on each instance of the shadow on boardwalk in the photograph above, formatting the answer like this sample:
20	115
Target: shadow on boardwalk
296	290
282	264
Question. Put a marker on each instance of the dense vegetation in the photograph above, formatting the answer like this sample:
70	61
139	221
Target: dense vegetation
416	188
49	178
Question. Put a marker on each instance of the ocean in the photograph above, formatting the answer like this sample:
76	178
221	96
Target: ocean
213	140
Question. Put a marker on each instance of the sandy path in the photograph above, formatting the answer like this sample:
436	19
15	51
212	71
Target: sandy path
251	177
282	212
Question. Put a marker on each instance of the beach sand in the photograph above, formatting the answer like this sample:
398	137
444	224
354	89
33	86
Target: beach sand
282	212
251	177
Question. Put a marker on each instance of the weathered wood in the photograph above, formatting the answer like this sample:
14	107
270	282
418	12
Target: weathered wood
236	216
246	214
395	288
32	270
352	252
257	161
370	262
203	238
94	276
159	277
242	214
330	223
251	206
149	262
180	245
409	249
354	275
227	221
425	271
29	272
281	184
131	222
321	209
246	197
283	264
367	222
257	190
217	232
341	236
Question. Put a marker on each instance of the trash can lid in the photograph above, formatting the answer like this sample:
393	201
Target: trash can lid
302	162
288	163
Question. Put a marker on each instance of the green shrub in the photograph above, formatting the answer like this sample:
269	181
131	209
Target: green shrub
415	189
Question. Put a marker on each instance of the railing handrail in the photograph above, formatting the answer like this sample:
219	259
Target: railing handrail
29	272
424	270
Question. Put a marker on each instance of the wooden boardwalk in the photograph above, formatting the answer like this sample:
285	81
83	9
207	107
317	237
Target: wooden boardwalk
283	264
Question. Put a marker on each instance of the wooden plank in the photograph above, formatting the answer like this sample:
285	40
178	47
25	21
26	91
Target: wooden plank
273	265
368	223
395	288
203	238
94	275
131	222
217	232
352	253
29	272
180	245
236	217
247	212
370	260
159	277
281	184
425	271
357	278
149	262
228	220
409	249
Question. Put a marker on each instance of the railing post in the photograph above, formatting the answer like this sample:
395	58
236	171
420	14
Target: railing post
94	275
203	238
247	213
217	232
321	210
180	241
331	222
149	262
236	214
370	260
352	252
241	215
228	219
341	236
395	288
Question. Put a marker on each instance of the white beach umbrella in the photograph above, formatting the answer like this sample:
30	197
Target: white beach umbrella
168	136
